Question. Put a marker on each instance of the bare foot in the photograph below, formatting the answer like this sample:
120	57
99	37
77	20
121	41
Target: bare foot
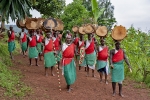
121	95
114	94
106	82
93	76
53	74
69	90
100	80
31	64
46	75
87	75
37	65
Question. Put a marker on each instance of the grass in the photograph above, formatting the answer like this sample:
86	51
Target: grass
10	80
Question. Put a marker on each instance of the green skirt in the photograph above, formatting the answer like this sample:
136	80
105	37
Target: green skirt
117	73
49	59
39	47
70	73
24	46
100	64
59	56
32	53
90	59
11	46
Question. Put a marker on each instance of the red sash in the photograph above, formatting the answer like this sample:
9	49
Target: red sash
32	43
81	45
118	56
56	44
76	41
68	54
12	36
103	55
90	49
48	47
40	39
24	39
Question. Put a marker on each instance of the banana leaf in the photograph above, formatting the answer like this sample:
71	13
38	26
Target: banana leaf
96	11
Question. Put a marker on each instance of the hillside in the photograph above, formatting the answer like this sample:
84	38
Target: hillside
16	29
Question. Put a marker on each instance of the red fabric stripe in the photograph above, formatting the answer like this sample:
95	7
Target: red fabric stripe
24	39
76	41
103	55
68	54
90	49
40	39
32	43
48	47
118	56
12	37
56	44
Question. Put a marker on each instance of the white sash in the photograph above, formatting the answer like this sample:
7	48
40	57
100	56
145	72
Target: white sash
47	41
22	35
87	44
37	36
53	39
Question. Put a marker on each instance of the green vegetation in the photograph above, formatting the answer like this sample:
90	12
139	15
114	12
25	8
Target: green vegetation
137	48
74	14
10	80
15	9
53	8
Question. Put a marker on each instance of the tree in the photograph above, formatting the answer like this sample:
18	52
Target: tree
53	8
107	17
74	14
15	9
96	11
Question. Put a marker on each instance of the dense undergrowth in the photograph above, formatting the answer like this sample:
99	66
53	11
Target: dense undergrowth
10	80
137	48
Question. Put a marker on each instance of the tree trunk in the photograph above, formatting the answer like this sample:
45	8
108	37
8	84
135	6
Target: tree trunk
2	24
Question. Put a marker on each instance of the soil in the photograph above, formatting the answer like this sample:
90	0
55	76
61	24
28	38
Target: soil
85	88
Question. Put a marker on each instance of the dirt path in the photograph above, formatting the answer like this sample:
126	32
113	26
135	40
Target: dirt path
85	88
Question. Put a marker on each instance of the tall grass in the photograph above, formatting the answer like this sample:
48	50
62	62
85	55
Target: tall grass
10	80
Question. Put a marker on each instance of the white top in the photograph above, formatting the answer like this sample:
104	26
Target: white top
100	48
87	44
116	51
64	46
53	39
37	36
9	32
80	42
35	33
30	38
22	35
47	41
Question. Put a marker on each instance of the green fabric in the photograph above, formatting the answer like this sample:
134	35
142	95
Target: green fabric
100	64
24	46
39	47
83	63
11	46
32	53
70	73
90	58
49	59
118	72
59	56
